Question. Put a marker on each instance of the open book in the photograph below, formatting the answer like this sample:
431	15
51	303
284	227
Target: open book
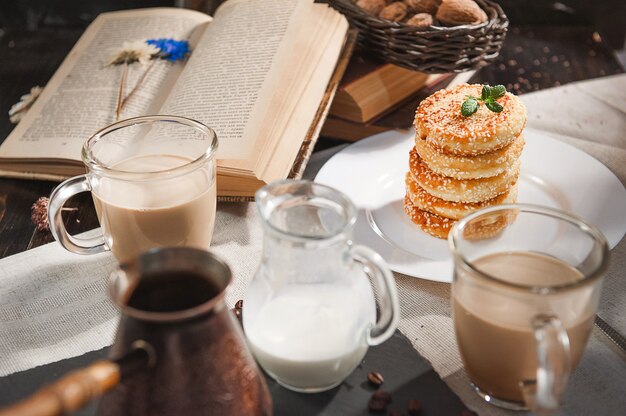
257	74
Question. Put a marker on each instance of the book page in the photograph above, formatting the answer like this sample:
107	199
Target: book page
82	96
230	72
307	73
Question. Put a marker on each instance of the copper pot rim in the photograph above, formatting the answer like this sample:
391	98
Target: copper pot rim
119	297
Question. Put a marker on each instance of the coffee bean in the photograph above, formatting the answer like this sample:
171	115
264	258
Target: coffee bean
395	412
376	379
415	407
377	406
467	412
239	304
382	395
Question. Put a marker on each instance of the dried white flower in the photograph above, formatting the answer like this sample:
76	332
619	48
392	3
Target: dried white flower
131	52
19	109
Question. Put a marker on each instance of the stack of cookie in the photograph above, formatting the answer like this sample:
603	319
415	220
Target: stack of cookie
462	163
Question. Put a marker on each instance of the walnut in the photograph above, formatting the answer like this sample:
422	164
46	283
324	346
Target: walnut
460	12
423	6
395	12
372	7
420	20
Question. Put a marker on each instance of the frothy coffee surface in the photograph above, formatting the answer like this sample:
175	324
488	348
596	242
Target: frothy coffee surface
137	216
494	332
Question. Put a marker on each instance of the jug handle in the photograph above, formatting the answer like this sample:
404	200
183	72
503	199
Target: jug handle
385	286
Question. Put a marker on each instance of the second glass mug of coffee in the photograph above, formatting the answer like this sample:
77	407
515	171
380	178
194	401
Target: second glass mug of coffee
152	180
525	293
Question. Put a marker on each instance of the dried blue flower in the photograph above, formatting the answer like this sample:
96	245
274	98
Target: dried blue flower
170	49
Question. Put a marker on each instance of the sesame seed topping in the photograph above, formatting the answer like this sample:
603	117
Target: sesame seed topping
461	164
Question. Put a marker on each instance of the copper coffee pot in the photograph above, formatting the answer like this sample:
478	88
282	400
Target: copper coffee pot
178	349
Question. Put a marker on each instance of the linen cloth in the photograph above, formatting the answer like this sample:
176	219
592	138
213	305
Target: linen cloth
53	304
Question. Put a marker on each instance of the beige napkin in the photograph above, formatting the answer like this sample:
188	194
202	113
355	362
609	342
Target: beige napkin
53	304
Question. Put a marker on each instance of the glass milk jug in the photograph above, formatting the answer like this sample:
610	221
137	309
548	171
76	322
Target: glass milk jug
310	311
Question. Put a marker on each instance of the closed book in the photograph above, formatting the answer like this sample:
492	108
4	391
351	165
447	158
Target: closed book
369	89
349	131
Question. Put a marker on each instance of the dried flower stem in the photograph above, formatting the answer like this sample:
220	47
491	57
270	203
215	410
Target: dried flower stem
136	87
120	94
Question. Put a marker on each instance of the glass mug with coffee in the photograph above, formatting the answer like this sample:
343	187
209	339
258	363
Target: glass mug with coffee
152	180
524	301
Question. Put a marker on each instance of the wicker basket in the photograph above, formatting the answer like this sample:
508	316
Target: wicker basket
436	49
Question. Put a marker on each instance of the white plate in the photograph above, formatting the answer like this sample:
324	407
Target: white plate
553	174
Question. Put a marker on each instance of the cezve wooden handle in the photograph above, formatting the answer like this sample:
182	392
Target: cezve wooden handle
69	393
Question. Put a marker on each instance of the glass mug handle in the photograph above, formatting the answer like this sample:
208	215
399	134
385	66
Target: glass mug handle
543	395
58	198
386	286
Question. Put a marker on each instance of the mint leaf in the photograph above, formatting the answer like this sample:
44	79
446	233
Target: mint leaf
486	92
488	96
469	107
497	91
494	106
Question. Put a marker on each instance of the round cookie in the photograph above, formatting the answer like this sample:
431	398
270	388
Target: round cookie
439	121
454	210
470	167
439	226
434	225
461	190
